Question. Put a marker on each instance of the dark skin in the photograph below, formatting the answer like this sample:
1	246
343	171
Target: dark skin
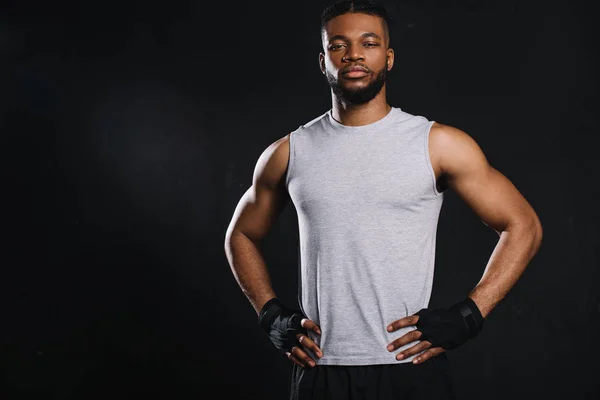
356	39
458	163
348	40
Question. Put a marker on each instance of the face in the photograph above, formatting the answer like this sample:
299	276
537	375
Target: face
355	40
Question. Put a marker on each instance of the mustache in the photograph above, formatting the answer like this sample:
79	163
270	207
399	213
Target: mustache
347	69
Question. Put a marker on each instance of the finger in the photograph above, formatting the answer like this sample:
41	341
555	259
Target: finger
309	344
417	348
405	339
295	359
303	357
428	354
402	322
308	324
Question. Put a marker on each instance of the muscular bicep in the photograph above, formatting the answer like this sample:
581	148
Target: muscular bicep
266	198
490	194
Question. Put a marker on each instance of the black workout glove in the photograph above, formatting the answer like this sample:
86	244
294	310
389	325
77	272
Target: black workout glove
449	328
281	324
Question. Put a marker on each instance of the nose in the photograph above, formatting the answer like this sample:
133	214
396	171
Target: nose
354	53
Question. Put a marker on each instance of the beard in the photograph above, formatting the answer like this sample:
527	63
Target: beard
359	95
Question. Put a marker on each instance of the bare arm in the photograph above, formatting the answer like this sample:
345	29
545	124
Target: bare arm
499	205
253	218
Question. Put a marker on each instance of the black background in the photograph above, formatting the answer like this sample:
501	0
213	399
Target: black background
130	130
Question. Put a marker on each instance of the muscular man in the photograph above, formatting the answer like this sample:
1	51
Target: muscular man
367	180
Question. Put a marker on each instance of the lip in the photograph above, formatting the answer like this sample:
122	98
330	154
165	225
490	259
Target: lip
356	73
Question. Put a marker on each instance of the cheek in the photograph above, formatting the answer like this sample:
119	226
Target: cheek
332	66
334	58
331	62
380	59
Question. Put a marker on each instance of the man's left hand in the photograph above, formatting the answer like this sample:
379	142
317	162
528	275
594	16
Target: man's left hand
411	337
441	329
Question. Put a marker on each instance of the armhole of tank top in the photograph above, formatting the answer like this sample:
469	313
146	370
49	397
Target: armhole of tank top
428	158
290	166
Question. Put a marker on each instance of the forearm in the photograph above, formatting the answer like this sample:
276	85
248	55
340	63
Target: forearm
515	249
249	269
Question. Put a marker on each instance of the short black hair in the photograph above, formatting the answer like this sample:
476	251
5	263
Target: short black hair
360	6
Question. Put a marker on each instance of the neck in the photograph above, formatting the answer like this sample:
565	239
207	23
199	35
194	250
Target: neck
360	114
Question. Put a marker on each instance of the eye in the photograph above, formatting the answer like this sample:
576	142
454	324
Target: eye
335	46
371	44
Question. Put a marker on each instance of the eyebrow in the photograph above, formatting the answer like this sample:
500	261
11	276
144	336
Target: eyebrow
364	35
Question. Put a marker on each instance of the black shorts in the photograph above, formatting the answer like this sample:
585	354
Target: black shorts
427	380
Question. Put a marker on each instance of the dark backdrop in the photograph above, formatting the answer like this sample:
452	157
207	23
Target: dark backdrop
129	131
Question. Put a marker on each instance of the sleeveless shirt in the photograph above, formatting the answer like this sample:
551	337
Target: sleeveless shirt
368	209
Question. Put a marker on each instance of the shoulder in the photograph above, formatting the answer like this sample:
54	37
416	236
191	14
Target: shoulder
452	149
272	163
446	135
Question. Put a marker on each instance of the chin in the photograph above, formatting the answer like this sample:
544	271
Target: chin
352	83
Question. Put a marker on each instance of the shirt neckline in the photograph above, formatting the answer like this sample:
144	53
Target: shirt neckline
360	128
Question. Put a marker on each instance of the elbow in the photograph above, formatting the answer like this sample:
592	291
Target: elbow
227	239
536	233
234	236
539	233
529	229
230	238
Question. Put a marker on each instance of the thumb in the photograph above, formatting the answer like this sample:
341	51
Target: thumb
309	324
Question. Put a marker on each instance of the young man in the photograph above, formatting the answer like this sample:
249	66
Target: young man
368	180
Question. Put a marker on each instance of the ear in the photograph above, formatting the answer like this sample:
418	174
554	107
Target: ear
322	62
390	59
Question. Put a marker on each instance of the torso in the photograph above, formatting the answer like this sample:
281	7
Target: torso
434	153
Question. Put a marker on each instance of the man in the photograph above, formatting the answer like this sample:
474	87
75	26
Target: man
368	180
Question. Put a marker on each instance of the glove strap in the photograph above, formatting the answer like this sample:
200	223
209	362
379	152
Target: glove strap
471	314
268	313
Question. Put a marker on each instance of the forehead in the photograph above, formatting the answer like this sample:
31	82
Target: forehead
352	25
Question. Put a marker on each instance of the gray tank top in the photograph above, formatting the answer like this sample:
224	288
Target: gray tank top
368	209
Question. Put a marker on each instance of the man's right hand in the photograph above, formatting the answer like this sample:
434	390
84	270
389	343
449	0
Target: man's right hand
298	355
288	331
